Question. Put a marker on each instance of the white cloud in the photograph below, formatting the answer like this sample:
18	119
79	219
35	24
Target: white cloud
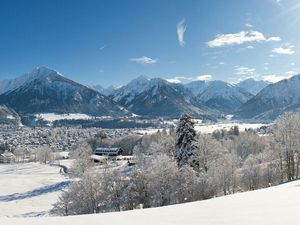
174	80
144	60
274	38
287	50
239	38
248	25
183	79
249	47
179	79
243	70
273	78
221	63
181	28
205	77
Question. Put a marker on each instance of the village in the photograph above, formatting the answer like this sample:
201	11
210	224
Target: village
19	144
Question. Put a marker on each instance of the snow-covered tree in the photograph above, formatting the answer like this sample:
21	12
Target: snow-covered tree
83	162
44	154
185	138
287	143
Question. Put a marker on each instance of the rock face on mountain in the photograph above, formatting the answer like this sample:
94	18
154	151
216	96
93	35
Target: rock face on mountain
273	100
46	90
253	86
219	95
157	97
8	116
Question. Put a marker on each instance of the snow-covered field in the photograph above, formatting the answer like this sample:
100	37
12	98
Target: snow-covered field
272	206
29	189
51	117
209	128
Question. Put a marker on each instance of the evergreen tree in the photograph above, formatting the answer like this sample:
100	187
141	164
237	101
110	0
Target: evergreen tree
185	137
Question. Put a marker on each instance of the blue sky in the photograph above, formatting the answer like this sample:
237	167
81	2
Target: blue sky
111	42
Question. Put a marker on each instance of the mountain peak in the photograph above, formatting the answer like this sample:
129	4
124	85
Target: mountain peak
43	71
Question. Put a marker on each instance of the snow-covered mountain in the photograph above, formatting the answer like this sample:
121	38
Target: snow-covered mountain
105	91
49	92
273	100
157	97
197	87
253	86
219	95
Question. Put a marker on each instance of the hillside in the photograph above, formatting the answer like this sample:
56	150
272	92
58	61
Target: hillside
271	206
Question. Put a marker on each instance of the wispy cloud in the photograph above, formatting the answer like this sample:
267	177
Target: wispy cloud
286	50
144	60
181	28
239	38
205	77
273	78
243	70
248	25
102	47
249	47
291	73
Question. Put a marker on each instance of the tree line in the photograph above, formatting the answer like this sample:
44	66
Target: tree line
181	165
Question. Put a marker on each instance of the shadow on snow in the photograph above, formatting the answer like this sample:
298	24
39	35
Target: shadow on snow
36	192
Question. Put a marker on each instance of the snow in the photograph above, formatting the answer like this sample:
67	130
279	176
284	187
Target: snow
10	117
209	128
271	206
29	189
51	117
205	127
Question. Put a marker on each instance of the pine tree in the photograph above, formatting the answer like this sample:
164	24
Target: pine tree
185	138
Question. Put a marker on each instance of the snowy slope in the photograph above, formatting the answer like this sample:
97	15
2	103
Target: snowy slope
9	116
29	189
12	84
271	206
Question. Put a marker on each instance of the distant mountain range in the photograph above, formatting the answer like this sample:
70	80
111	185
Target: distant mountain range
273	100
219	95
157	97
46	91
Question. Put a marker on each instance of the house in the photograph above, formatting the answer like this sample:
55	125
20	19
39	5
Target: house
7	157
108	151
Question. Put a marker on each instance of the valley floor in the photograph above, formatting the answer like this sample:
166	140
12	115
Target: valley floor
271	206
